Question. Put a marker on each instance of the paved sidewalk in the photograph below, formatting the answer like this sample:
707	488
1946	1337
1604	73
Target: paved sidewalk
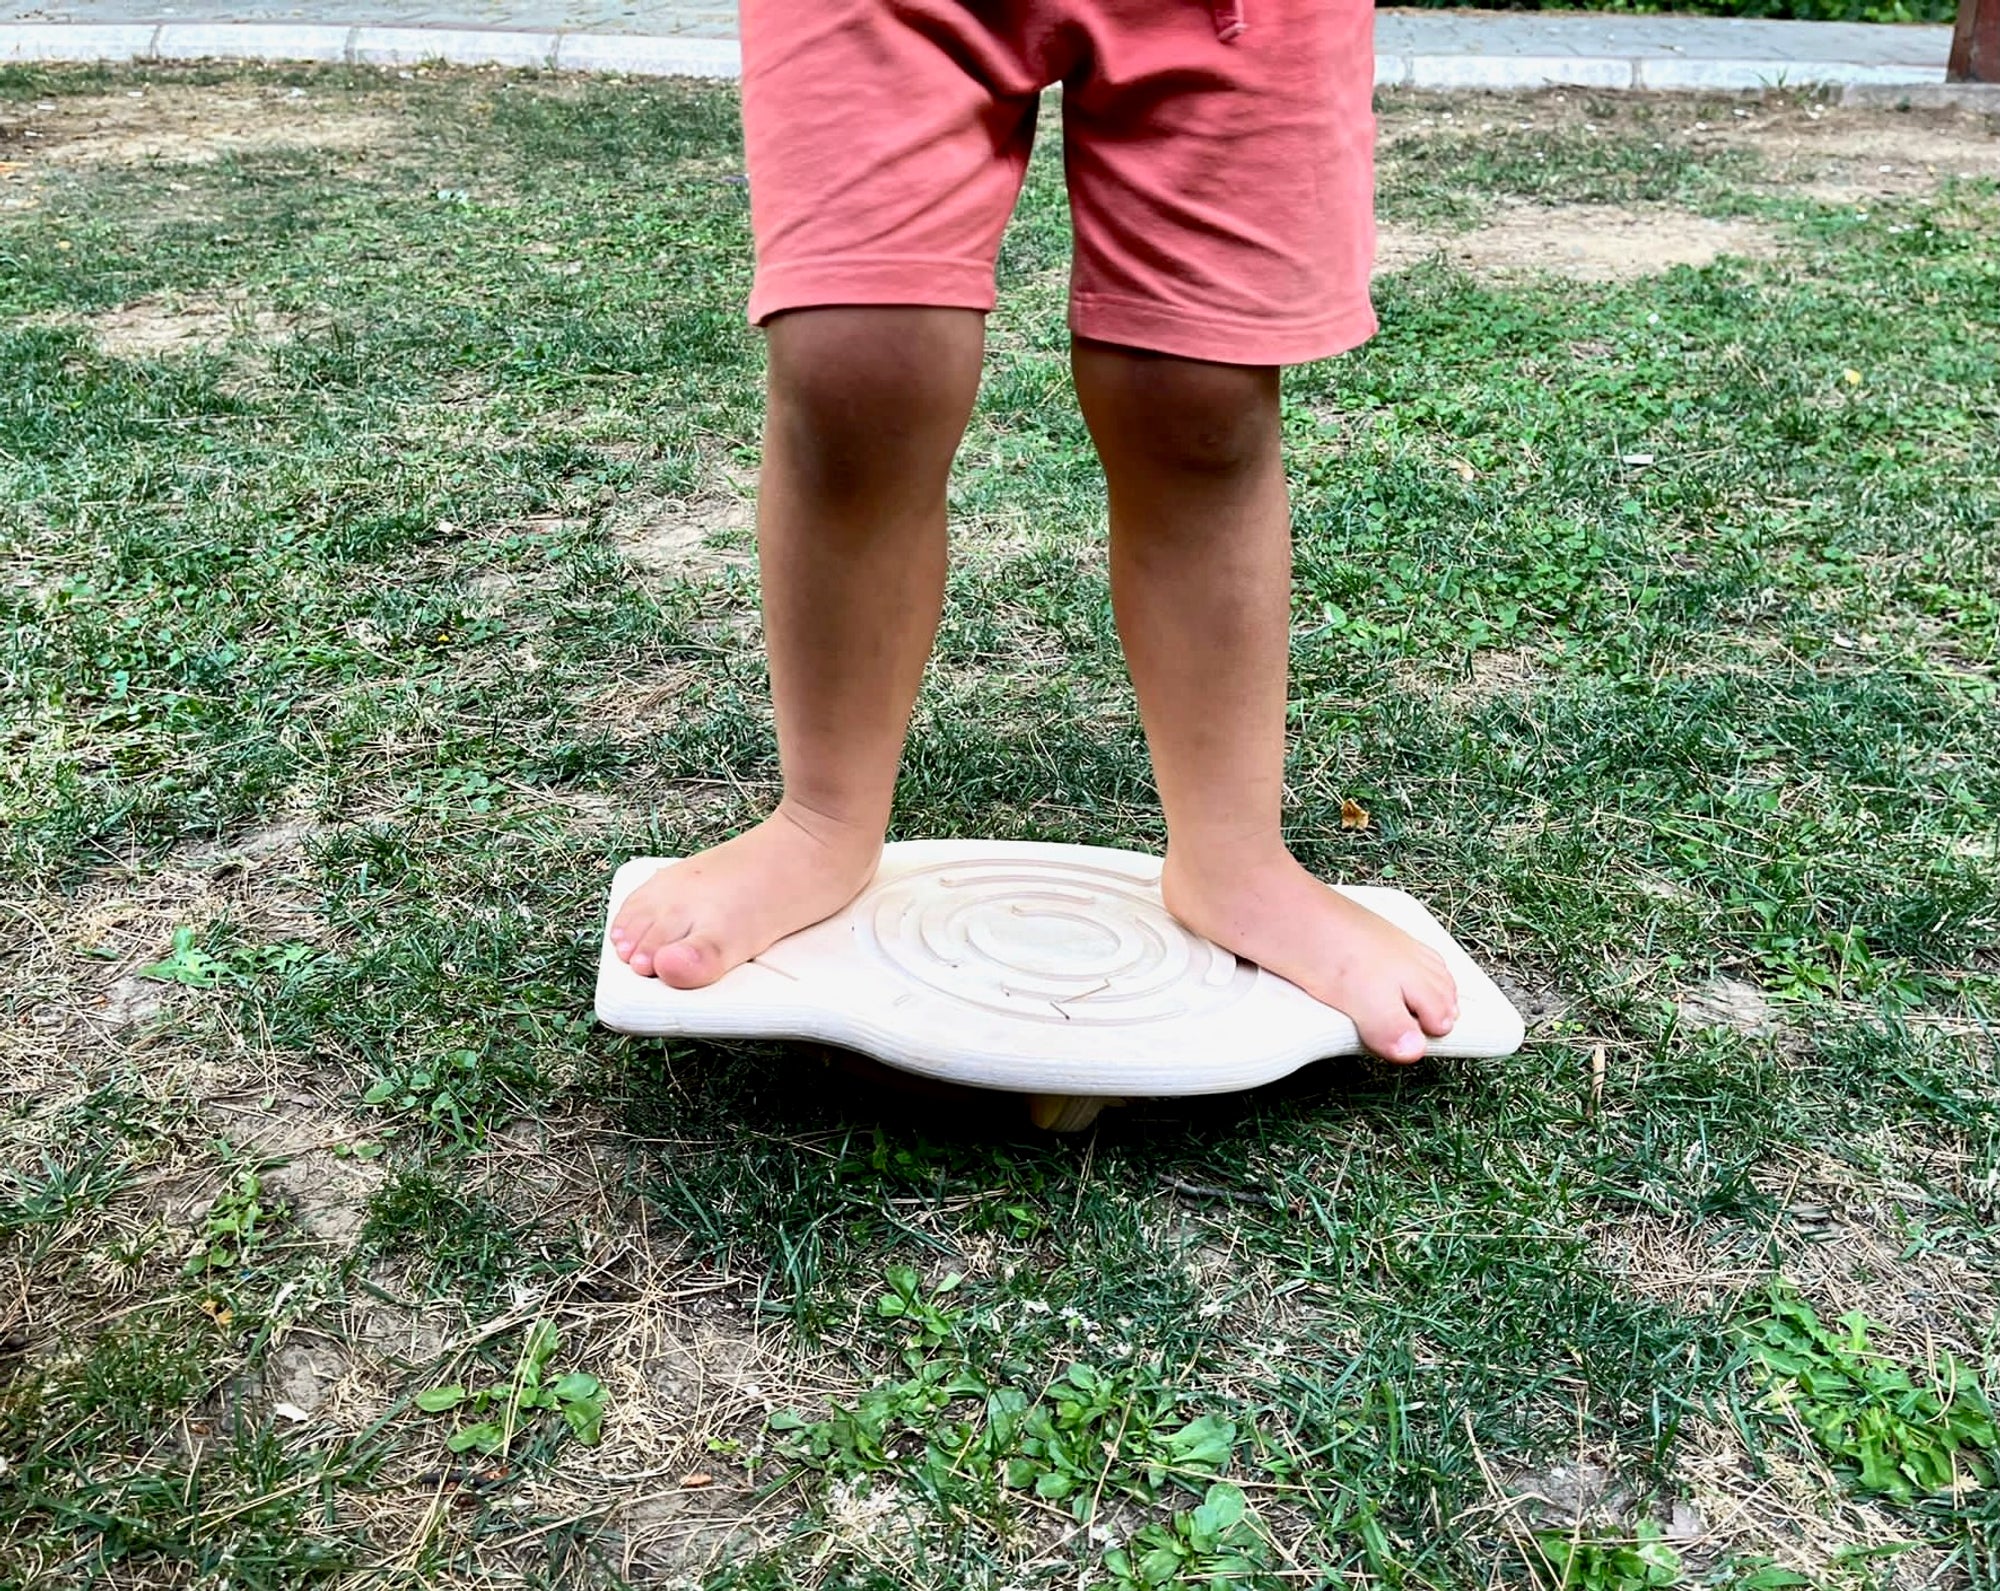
1417	49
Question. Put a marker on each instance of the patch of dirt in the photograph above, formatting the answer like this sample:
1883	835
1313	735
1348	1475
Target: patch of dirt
1784	1505
492	589
1730	1003
1699	1268
1796	138
1848	1239
1855	1239
131	1001
1588	242
302	1374
309	1191
641	706
681	536
709	1377
1844	156
101	1024
1568	1492
280	842
382	1333
181	124
1720	1503
691	1377
1540	1003
1490	673
148	328
1499	671
84	951
327	1196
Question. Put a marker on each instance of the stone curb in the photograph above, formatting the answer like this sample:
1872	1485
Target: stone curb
652	55
637	54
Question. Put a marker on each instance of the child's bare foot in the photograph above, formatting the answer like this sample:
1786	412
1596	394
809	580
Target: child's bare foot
1278	915
690	923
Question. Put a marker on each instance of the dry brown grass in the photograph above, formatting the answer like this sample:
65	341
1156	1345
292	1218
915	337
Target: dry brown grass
1830	154
166	123
662	534
1590	243
691	1372
1849	155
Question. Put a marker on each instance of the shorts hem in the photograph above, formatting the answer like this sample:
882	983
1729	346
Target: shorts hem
1218	339
899	279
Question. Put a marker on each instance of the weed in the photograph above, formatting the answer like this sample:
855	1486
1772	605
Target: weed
1123	1430
432	1092
503	1410
1571	1561
236	1224
188	963
196	964
1210	1546
954	1434
1897	1437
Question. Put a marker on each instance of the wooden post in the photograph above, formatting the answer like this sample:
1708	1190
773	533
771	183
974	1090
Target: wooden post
1975	46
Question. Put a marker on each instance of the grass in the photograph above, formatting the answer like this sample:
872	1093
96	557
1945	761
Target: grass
352	640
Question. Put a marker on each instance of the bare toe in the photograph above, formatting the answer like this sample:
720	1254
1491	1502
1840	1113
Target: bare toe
1394	989
1387	1029
691	963
652	937
690	924
1434	1004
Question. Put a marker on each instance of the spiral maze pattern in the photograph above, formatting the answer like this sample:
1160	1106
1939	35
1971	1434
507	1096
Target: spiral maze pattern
1050	941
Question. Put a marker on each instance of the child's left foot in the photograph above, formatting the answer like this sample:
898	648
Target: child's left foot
1278	915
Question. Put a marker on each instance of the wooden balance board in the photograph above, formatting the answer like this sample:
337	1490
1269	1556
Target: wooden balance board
1052	971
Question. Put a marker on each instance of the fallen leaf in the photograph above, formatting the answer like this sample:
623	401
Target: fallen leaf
217	1311
1851	377
1465	471
1353	815
696	1480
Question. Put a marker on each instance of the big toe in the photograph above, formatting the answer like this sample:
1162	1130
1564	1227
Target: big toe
1388	1029
644	957
690	963
641	928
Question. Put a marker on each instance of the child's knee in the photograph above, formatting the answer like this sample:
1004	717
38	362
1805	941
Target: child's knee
1190	418
857	402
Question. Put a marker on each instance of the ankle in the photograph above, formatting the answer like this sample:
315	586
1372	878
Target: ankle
1226	860
859	841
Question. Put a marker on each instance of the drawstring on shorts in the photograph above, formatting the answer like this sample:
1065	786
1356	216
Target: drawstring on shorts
1229	21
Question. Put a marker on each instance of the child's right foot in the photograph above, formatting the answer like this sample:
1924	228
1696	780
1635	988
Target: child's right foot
690	923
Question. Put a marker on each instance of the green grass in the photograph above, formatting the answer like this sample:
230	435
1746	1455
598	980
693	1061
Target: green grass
1654	621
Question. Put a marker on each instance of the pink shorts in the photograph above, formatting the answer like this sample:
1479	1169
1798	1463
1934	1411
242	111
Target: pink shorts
1220	166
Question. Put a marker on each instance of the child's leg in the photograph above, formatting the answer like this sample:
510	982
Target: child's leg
885	145
866	409
1201	580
